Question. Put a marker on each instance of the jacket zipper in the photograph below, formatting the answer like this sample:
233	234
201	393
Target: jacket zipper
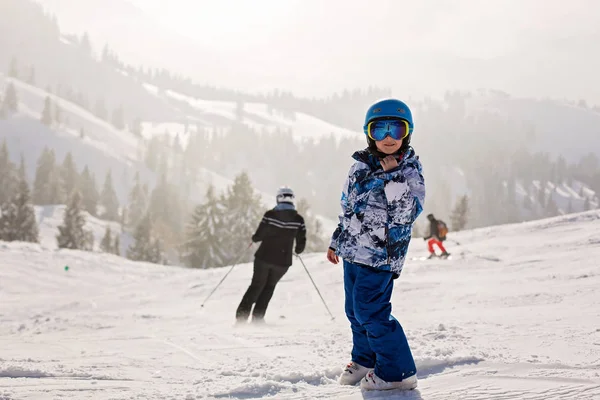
387	243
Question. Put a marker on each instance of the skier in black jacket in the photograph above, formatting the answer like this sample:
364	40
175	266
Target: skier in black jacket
276	232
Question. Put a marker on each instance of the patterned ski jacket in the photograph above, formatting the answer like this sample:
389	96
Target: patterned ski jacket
378	210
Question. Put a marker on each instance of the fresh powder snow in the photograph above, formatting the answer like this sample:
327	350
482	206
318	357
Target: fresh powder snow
515	314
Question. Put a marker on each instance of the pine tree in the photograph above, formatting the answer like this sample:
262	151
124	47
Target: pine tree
109	200
123	218
205	233
85	45
13	68
315	240
47	118
106	243
47	186
11	101
56	193
586	204
71	233
8	176
18	220
87	186
117	245
138	202
510	206
42	174
106	54
166	209
244	212
58	117
143	249
459	217
31	77
88	241
156	254
69	177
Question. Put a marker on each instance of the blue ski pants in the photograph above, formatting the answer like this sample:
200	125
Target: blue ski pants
378	339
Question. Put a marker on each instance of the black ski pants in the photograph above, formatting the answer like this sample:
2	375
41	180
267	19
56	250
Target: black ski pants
260	291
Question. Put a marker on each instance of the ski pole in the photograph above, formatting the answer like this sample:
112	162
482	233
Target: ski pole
315	285
228	272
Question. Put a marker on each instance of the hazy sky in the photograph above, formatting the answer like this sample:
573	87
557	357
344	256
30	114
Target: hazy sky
534	47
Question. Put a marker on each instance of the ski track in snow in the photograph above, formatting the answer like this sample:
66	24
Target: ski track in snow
513	315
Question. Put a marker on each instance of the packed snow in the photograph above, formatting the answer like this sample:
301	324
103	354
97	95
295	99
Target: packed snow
514	314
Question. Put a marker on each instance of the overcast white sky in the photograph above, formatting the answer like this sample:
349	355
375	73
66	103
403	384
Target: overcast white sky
537	47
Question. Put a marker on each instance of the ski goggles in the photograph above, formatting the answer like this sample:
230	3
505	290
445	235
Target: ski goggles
397	129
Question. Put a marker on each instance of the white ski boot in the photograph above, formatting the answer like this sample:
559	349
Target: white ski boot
353	373
373	382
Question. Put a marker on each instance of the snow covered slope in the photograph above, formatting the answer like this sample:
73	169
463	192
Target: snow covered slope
104	147
560	129
513	315
49	218
258	116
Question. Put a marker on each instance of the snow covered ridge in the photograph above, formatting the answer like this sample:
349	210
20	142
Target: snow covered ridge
513	315
103	146
258	116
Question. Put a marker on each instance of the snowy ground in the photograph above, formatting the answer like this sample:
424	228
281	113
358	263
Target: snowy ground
514	315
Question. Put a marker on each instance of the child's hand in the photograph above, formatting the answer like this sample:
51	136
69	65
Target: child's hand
388	163
332	257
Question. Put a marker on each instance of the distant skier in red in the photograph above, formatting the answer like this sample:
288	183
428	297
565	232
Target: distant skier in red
437	234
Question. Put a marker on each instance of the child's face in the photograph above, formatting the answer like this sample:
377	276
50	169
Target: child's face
388	145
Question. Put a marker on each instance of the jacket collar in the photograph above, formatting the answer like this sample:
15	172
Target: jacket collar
365	156
285	206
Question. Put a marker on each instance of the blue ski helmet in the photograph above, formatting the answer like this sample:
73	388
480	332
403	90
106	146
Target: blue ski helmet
389	108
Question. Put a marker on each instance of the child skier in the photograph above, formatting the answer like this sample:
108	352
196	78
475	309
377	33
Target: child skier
383	195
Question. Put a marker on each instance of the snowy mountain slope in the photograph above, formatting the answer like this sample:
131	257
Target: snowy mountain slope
560	129
258	116
112	148
305	127
103	146
512	315
109	22
49	218
567	198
